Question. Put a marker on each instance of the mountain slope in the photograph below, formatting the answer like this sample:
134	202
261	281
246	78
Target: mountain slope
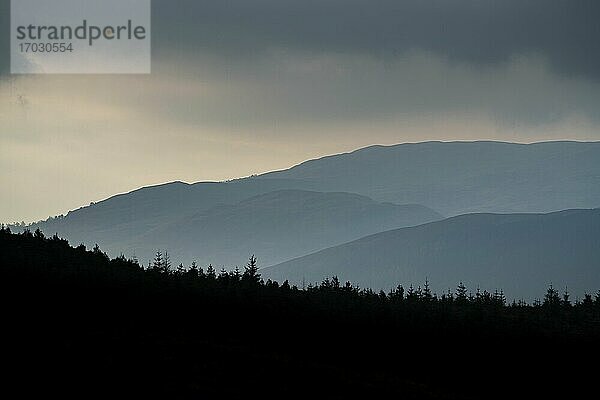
119	220
277	226
520	253
451	178
464	177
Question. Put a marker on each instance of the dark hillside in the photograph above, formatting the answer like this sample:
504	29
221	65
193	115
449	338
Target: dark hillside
519	253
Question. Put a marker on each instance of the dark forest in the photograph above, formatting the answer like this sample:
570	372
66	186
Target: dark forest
80	324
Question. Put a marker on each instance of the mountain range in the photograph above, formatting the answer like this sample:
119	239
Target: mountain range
326	202
277	226
463	177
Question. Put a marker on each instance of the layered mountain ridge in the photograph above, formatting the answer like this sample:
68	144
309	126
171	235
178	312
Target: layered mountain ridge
326	202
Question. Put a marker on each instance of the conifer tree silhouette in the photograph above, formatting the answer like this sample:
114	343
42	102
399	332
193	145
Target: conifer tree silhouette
427	296
251	271
588	301
411	294
551	299
566	303
461	293
157	263
38	234
166	266
335	283
193	271
502	298
211	274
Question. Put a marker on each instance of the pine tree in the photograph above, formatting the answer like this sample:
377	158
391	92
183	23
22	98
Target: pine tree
180	270
237	274
251	271
193	270
38	234
551	299
478	297
348	287
96	250
449	296
565	298
588	302
157	263
410	294
461	293
398	294
166	267
502	298
335	283
426	294
223	275
211	273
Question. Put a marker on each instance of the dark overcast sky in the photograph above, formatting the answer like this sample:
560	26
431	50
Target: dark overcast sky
476	31
246	86
479	31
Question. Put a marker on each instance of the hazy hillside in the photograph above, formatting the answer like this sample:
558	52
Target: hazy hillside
462	177
114	223
520	253
450	178
278	226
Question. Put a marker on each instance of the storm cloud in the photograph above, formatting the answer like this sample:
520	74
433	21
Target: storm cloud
482	32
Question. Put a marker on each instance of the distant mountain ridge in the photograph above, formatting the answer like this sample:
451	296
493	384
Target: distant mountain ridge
464	177
519	253
449	178
276	226
118	220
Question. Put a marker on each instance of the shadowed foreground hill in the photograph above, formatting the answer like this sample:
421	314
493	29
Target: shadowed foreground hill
520	253
78	325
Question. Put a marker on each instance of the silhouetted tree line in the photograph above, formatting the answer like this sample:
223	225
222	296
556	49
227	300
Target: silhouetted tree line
161	271
182	331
